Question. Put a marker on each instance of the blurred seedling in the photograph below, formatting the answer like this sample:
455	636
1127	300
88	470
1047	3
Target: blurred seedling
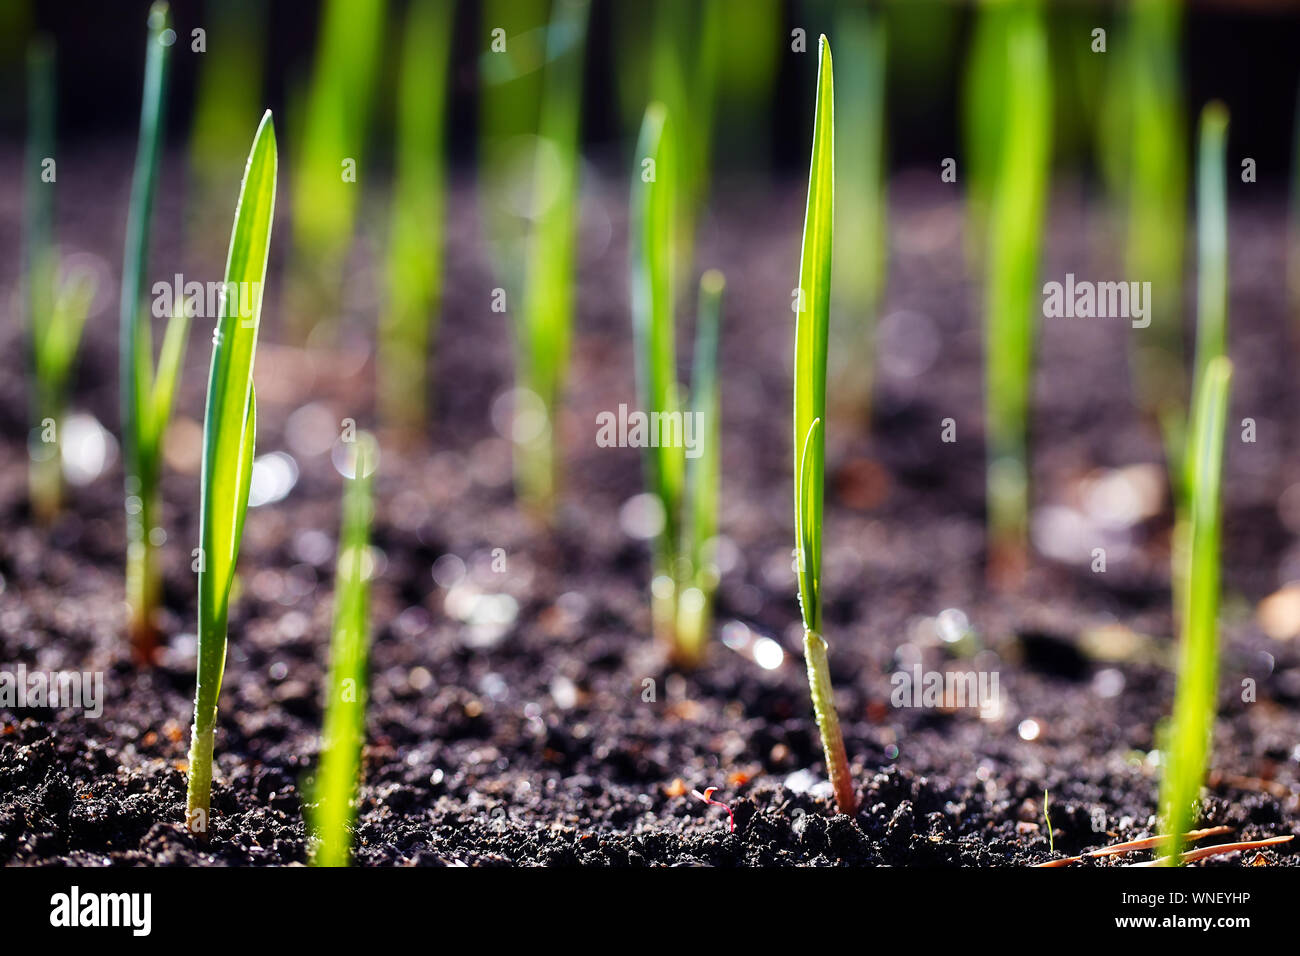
146	393
684	571
1015	218
58	298
544	326
415	244
329	162
344	731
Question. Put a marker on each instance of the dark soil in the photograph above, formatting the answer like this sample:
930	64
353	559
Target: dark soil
533	742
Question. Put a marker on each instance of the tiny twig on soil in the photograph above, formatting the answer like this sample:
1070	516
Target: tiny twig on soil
707	797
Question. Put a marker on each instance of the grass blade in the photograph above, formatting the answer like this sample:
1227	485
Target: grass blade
1211	240
228	439
1015	221
812	300
1151	144
861	232
695	605
141	425
415	243
547	317
652	248
1188	746
343	733
333	135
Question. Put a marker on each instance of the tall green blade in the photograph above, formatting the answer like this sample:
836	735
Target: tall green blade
330	159
547	316
1016	222
860	232
652	248
1151	147
345	709
1211	240
136	363
141	424
228	436
697	568
1188	746
812	302
415	243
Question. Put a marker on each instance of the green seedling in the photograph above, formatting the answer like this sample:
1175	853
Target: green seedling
229	89
984	109
684	482
813	300
57	304
510	91
344	732
329	165
713	64
545	325
684	44
146	394
1146	161
1188	744
861	195
1015	232
416	238
1211	300
229	427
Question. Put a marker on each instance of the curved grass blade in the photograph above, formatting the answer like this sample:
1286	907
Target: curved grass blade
345	710
812	301
228	441
1188	746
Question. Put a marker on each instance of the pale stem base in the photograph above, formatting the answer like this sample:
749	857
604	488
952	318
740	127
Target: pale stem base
828	722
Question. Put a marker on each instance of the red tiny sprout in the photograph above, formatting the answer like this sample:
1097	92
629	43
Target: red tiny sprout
707	797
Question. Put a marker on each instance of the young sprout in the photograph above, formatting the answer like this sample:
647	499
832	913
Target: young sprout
707	797
1015	232
984	95
146	395
861	194
328	168
57	306
229	427
1146	143
1211	299
1047	818
811	329
344	732
415	243
228	91
686	38
510	91
545	325
684	482
1188	744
